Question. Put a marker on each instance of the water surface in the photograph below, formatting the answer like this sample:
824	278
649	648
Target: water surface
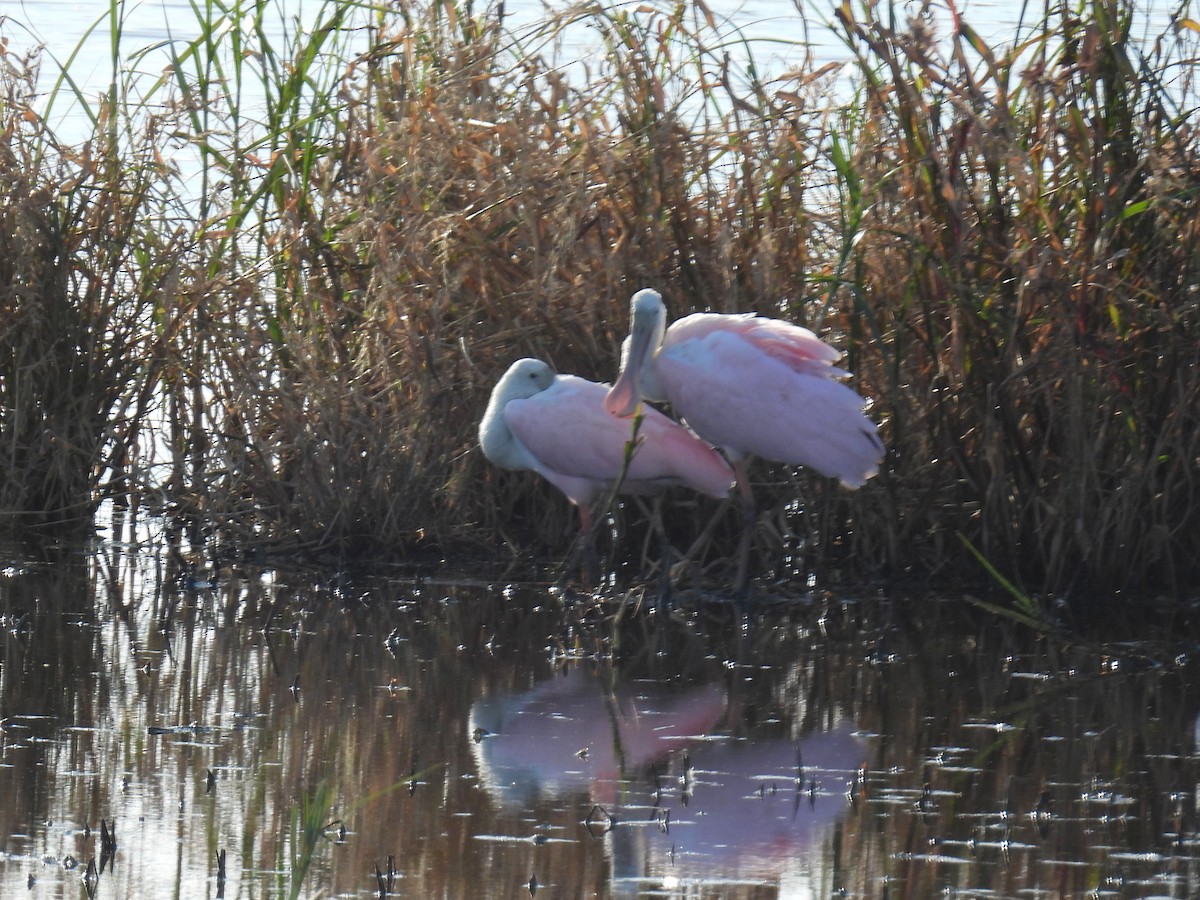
490	740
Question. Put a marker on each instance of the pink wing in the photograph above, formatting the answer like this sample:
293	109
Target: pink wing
581	448
794	346
752	403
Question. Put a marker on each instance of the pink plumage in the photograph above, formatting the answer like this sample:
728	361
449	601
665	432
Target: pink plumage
581	448
556	425
751	385
793	345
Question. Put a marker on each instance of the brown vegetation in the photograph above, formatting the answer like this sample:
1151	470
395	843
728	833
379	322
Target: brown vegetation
1004	243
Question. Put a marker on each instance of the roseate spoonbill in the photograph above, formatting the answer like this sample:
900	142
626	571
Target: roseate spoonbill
752	386
556	425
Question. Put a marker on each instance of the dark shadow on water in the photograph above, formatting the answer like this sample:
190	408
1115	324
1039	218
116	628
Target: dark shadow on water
476	739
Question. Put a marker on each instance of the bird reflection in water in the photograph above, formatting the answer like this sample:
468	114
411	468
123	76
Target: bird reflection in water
674	800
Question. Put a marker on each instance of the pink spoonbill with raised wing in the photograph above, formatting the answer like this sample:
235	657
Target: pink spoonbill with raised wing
751	385
556	425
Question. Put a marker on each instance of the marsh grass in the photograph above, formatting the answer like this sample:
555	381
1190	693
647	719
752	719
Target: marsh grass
1039	203
308	826
279	323
82	284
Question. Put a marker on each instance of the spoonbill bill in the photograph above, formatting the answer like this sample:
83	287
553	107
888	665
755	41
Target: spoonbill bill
556	426
751	385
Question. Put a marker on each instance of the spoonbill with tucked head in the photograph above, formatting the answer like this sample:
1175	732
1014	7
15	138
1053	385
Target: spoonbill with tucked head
556	425
751	385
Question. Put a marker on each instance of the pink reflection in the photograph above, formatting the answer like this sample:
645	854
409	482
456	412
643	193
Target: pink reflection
754	810
720	808
571	735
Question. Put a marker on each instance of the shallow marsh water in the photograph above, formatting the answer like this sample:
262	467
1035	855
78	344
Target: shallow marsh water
495	741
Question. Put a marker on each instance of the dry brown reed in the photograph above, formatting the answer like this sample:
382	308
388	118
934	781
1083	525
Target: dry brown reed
487	208
1003	241
1031	256
82	286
